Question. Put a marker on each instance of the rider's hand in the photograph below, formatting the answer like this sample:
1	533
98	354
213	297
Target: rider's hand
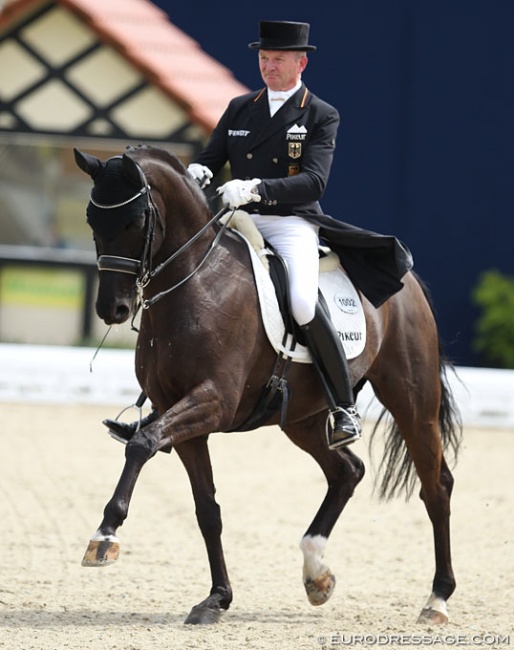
200	173
237	192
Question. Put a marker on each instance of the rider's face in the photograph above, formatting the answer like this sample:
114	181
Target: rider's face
281	70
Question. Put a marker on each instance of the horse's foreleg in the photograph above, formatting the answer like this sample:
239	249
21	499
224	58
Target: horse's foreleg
103	548
343	471
189	418
195	456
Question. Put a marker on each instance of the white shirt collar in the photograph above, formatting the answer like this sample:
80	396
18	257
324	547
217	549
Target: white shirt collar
284	94
277	98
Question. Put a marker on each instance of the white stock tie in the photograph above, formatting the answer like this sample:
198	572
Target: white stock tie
276	100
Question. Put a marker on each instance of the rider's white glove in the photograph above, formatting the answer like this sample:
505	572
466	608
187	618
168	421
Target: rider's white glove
237	192
200	173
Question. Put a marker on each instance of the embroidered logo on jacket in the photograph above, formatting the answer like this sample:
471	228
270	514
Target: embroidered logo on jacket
296	133
239	133
294	149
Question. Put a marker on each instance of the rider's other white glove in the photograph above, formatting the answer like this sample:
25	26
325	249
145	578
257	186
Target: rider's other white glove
237	192
201	174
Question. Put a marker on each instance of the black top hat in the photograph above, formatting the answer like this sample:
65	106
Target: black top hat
283	35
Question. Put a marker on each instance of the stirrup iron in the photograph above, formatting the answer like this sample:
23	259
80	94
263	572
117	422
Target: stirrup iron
355	434
138	406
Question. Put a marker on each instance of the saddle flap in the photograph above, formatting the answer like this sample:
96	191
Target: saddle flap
340	295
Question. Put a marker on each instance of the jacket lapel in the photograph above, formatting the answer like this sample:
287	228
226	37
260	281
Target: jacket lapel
264	126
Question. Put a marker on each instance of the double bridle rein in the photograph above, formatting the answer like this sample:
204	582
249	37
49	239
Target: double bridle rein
142	268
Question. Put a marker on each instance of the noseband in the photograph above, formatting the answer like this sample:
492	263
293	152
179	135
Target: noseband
119	264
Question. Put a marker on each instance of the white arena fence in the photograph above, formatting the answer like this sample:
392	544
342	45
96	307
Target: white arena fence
73	375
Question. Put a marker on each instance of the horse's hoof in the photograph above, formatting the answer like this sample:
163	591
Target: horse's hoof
203	616
321	588
432	616
101	553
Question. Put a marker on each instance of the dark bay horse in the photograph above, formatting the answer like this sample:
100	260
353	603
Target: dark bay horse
203	358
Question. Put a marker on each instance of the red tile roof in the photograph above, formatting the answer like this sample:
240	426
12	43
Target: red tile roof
169	58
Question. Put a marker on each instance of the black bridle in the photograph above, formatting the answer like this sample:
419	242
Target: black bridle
127	264
142	268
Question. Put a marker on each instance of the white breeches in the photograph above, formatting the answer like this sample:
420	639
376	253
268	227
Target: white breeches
296	240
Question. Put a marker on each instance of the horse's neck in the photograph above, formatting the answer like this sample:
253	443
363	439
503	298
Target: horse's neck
187	234
181	206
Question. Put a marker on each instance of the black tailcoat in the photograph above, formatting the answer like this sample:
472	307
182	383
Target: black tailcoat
292	153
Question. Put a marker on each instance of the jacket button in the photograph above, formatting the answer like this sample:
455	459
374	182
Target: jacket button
275	160
249	156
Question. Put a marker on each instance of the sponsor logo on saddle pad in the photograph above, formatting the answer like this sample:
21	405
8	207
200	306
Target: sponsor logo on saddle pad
345	308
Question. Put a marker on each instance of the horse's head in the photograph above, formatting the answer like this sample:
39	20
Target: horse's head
122	217
136	227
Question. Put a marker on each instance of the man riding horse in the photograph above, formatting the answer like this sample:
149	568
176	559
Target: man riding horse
280	142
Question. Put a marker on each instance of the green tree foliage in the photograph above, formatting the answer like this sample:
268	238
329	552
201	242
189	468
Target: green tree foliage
494	329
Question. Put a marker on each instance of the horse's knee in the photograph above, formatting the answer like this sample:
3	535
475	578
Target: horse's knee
140	448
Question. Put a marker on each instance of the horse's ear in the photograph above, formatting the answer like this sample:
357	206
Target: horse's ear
132	172
89	164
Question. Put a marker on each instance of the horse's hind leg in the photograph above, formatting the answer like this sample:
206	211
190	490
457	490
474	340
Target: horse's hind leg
343	471
419	427
437	502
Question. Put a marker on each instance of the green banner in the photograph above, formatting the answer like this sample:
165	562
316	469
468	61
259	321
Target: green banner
42	287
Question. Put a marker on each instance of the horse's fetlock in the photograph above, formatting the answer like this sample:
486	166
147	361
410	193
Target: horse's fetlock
444	586
224	594
115	511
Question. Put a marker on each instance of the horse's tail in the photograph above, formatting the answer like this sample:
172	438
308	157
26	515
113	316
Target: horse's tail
396	469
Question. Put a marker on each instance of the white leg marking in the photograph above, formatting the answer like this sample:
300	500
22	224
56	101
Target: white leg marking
99	537
437	603
313	549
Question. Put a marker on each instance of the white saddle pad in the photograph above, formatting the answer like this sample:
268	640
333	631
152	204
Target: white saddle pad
340	295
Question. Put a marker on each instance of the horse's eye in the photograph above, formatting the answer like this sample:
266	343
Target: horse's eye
135	224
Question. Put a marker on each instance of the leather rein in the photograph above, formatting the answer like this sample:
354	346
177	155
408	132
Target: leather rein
142	268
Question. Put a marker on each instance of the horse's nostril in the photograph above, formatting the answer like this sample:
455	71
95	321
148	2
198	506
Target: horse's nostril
113	314
122	312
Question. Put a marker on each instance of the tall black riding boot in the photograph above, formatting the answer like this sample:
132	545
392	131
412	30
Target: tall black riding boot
330	361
